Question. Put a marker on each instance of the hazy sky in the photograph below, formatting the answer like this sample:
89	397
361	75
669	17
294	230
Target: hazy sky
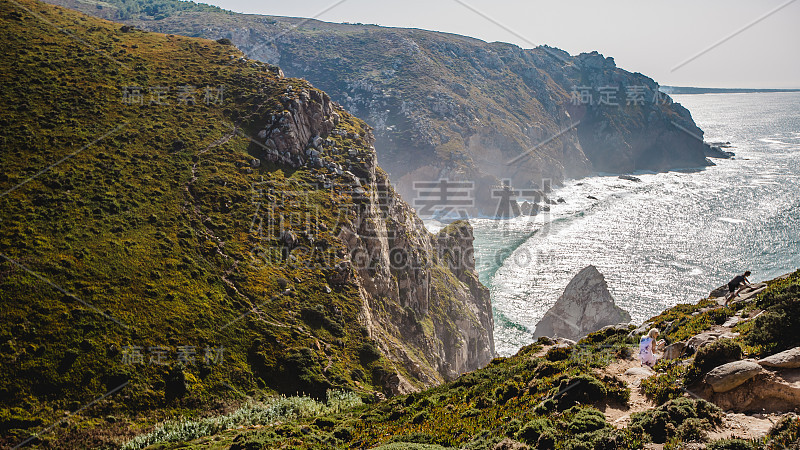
652	37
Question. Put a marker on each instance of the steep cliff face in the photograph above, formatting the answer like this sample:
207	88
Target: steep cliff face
584	307
448	106
421	298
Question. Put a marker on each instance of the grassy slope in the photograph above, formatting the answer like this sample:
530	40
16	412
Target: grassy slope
141	246
524	397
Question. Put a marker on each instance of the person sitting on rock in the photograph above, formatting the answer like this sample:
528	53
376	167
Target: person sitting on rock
647	346
736	285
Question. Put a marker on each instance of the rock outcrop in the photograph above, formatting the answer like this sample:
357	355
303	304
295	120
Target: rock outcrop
421	298
584	307
789	359
728	376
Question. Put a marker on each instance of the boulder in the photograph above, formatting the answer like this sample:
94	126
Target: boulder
731	375
789	359
701	340
510	444
721	291
675	350
642	329
584	307
639	372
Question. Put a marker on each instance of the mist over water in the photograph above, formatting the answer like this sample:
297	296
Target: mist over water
669	239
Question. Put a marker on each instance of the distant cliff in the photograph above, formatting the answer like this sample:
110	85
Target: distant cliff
449	106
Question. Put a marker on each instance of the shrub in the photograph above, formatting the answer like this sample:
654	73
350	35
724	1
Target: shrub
269	412
415	438
224	41
586	420
607	336
664	386
532	430
558	353
775	329
420	417
368	352
506	392
580	389
785	433
692	429
665	421
545	407
604	439
731	444
715	354
547	369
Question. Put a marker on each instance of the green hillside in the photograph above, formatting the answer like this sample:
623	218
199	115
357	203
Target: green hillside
148	254
548	397
450	106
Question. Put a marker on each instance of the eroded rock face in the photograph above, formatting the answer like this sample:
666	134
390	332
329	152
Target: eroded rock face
584	307
777	391
421	300
409	278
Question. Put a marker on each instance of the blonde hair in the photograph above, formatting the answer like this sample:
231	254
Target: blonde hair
653	333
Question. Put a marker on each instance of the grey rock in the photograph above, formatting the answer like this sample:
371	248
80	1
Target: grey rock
789	359
675	350
510	444
703	339
639	372
641	329
731	375
584	307
721	291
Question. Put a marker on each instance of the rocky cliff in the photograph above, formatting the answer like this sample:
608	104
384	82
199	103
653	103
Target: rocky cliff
584	307
449	106
421	301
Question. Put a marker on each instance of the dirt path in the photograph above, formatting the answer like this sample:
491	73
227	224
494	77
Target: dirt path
632	373
741	426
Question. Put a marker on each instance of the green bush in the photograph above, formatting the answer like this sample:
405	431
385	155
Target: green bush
604	439
712	355
415	438
420	417
558	353
665	421
506	392
664	386
532	430
545	407
731	444
608	336
271	411
586	420
785	433
579	389
776	329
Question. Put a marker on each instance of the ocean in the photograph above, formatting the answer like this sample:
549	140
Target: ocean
669	239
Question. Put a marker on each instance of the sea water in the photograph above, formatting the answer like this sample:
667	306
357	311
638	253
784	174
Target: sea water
671	238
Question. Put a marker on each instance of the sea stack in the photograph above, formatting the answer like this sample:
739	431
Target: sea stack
584	307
